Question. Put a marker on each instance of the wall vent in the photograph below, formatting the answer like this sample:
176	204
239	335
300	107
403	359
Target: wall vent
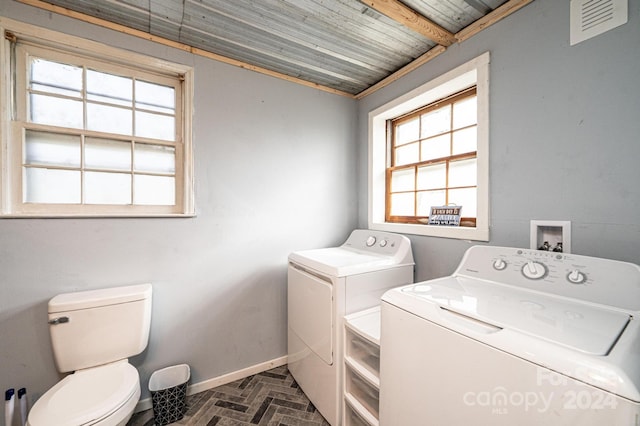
592	17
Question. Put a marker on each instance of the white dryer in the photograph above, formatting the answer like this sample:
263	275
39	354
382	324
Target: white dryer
514	337
326	284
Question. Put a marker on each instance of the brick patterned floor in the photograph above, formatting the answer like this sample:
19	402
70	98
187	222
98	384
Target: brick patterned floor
270	398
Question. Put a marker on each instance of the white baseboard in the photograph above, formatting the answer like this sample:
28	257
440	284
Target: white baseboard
145	404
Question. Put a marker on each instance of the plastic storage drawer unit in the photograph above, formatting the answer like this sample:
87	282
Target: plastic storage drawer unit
362	368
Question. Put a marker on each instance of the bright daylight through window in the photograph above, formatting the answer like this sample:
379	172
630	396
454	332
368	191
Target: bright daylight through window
433	160
93	134
429	157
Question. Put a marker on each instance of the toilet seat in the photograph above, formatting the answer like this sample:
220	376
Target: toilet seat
87	396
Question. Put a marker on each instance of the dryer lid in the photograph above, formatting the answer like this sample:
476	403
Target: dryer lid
340	262
86	396
364	251
580	326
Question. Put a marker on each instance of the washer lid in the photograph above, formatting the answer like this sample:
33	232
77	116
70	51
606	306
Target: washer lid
86	396
584	327
340	262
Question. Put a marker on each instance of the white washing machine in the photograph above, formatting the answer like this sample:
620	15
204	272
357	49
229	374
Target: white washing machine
514	337
323	286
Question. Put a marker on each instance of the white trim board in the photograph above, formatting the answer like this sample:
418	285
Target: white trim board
146	404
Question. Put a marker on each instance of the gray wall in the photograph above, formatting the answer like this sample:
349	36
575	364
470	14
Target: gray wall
564	129
274	173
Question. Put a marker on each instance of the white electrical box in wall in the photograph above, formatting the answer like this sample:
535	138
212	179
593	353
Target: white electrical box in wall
592	17
551	235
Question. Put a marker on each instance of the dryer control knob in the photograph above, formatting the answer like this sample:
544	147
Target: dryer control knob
371	241
576	277
534	270
499	264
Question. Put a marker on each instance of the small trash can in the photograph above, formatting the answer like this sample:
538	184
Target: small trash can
168	388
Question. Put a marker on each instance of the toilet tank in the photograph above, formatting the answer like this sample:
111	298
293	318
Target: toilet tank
95	327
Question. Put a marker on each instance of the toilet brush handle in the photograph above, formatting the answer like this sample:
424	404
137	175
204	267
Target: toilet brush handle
9	402
22	398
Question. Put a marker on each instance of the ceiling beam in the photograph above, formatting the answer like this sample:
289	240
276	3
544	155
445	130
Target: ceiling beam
408	17
491	18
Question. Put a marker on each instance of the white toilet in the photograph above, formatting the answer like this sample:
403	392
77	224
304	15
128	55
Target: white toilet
93	333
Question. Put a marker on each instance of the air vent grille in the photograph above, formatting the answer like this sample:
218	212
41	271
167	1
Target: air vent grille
592	17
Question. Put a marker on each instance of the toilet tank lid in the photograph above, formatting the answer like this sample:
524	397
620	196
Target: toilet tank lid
96	298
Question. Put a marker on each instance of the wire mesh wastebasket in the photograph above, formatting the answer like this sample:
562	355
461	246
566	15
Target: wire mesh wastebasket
168	388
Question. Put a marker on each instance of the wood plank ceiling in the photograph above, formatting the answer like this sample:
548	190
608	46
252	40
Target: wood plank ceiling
349	47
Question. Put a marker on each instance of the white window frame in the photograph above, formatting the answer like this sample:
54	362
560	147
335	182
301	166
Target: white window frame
11	204
472	73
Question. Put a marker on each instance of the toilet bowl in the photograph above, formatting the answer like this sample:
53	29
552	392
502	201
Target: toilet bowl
105	395
92	335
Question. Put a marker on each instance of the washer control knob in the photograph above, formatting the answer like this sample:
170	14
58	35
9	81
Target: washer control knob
534	270
499	264
383	243
371	241
576	277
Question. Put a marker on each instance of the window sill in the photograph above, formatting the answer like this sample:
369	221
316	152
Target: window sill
461	233
97	216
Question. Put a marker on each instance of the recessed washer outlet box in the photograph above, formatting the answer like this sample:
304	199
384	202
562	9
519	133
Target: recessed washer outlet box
592	17
552	232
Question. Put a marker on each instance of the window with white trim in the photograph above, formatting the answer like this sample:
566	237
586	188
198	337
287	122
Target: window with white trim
430	148
433	160
91	130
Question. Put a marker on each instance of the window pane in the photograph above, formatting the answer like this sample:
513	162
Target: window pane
55	111
107	188
463	173
465	113
465	140
51	149
155	190
155	158
436	122
78	120
107	154
109	88
51	186
155	126
428	199
467	198
402	204
437	147
407	154
155	97
408	132
104	118
432	177
402	180
54	77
